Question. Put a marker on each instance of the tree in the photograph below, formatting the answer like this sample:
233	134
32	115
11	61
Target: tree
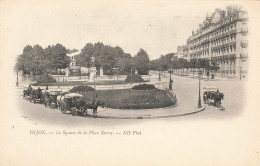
202	63
30	61
212	67
84	58
141	62
57	57
38	55
193	64
37	60
24	61
125	64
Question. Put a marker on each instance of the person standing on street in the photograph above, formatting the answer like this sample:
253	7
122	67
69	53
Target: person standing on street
95	104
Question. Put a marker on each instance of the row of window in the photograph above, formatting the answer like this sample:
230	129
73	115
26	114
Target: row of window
217	33
225	40
219	51
225	30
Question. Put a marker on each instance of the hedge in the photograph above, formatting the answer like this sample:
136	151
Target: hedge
82	88
134	78
43	79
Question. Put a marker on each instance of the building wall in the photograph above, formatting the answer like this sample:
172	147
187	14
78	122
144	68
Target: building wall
222	39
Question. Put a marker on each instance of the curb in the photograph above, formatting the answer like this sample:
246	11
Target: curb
152	117
148	109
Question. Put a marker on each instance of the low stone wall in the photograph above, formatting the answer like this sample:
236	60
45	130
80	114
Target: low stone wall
64	78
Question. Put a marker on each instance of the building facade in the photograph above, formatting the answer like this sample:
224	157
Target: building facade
183	52
222	38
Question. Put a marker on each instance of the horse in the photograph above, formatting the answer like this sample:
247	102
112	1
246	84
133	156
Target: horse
62	104
26	93
218	98
205	97
59	101
95	106
46	99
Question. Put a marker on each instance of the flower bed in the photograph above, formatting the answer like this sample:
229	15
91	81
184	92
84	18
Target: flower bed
130	99
144	87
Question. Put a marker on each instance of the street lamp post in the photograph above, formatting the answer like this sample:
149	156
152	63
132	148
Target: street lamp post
47	80
240	72
131	77
199	101
159	73
94	82
170	84
17	78
117	73
58	78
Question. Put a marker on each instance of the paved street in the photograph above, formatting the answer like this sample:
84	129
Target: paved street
187	95
234	96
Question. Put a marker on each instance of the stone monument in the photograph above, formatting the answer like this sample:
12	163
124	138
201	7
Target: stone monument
101	72
93	70
67	72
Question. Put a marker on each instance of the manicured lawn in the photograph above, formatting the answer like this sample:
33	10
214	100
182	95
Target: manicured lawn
130	99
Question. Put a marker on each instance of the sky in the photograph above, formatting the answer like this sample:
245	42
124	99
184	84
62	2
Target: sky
156	26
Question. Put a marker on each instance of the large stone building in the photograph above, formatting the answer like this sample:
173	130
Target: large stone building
221	38
183	52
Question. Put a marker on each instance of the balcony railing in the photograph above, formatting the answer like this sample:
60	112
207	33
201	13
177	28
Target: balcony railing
244	44
243	55
244	30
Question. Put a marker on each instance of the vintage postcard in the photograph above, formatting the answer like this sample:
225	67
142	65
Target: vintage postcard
129	83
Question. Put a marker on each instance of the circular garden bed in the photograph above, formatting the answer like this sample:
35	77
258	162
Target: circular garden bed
131	99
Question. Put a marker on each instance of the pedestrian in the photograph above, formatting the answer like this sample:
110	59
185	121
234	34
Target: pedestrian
205	97
30	89
95	106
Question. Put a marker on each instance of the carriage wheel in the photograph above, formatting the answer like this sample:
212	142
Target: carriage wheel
62	109
85	112
74	111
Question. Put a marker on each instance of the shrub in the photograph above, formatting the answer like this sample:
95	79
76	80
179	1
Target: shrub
143	87
43	79
82	88
134	78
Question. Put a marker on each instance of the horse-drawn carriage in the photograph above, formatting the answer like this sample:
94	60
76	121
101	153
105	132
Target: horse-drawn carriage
27	93
74	103
50	98
212	96
36	96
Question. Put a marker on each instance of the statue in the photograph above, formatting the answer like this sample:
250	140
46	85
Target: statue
93	69
92	62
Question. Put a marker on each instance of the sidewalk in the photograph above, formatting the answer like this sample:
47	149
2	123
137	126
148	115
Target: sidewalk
167	112
206	78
